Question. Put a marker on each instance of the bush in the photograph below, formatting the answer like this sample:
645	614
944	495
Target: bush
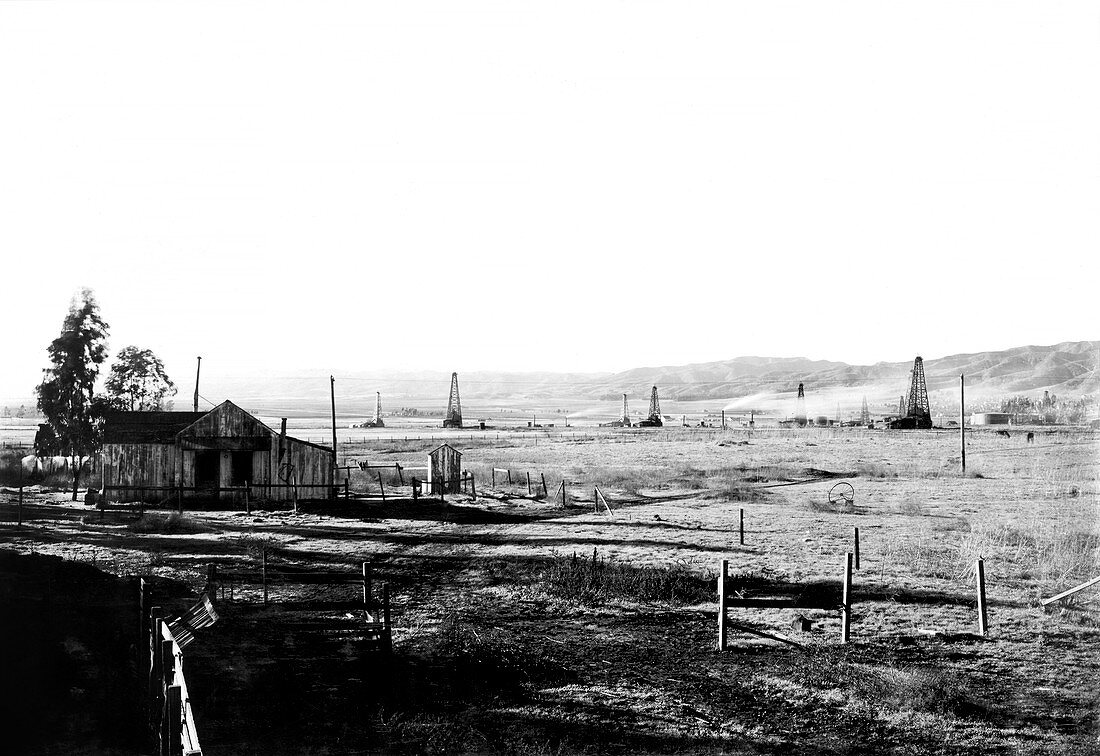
593	581
170	524
917	689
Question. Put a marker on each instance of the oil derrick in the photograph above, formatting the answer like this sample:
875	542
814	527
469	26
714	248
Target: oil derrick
918	408
377	421
914	411
864	413
454	406
654	419
624	419
800	407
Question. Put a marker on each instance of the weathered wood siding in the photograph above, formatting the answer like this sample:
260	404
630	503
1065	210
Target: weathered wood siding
140	465
303	463
446	469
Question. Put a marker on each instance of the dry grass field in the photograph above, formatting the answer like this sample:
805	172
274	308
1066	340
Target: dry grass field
525	626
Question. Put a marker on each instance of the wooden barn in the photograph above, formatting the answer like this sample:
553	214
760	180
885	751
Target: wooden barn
151	456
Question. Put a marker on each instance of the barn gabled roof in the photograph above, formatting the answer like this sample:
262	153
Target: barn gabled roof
120	427
225	421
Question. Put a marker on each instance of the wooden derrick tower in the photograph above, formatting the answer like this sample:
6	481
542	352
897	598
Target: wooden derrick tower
454	406
800	406
918	408
864	413
915	411
377	421
654	419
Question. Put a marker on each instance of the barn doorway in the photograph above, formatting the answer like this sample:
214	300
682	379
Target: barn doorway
241	469
207	470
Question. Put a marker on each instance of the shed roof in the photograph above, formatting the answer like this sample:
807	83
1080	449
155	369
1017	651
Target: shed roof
145	427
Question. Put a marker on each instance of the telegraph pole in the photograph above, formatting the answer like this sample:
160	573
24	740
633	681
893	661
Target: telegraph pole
332	388
198	369
962	420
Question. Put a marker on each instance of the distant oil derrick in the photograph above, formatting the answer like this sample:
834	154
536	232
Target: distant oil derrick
454	406
376	421
624	419
864	413
654	419
800	406
915	411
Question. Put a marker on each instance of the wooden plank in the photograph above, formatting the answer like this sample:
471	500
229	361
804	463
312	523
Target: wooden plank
1071	591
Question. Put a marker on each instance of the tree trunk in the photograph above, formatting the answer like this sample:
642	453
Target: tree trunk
76	473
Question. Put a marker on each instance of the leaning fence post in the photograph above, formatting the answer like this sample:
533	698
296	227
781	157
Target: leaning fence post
846	600
722	575
545	493
983	625
347	487
563	492
381	487
473	487
528	483
855	543
400	475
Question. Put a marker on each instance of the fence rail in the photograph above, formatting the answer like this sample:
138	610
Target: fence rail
172	721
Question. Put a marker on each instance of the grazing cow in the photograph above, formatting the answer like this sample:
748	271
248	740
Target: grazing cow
1030	437
1006	434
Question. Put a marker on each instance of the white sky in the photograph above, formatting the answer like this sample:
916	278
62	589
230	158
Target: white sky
556	185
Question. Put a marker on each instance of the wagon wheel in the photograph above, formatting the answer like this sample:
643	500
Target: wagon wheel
842	492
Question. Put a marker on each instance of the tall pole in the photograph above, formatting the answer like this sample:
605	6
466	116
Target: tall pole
198	368
332	388
962	420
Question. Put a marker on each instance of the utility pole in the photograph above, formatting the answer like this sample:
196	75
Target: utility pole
332	387
962	420
197	370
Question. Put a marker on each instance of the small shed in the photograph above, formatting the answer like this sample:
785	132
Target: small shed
446	469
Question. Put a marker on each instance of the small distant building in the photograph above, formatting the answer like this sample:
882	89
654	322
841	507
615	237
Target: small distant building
990	418
209	455
446	469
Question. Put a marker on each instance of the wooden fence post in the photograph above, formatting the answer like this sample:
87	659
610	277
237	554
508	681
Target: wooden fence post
528	484
509	471
173	717
347	487
545	493
381	487
247	497
473	487
416	490
722	575
366	584
855	539
263	572
846	600
400	475
983	625
144	596
494	477
741	526
563	492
